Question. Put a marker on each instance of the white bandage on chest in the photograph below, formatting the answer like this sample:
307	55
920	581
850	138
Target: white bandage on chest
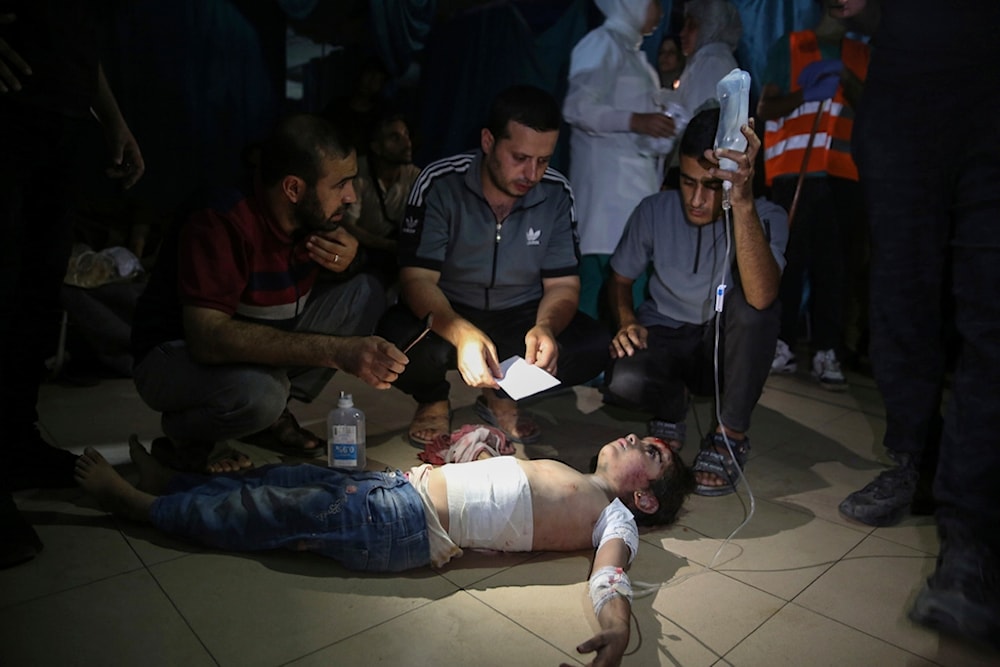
442	548
607	583
489	505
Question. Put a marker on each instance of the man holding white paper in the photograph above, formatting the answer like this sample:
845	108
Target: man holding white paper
489	247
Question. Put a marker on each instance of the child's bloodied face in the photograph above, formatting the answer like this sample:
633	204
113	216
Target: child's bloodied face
633	462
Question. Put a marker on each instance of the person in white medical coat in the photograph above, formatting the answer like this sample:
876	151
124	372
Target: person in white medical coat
620	135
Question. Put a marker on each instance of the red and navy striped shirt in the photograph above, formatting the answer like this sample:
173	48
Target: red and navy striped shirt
230	256
234	257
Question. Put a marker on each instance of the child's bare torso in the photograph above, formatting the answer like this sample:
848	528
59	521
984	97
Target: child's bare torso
565	504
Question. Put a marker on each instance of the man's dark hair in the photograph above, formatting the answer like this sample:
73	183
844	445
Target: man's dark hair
676	484
527	105
298	146
700	133
384	118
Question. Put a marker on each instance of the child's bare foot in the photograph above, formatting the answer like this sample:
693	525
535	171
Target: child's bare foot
153	475
100	479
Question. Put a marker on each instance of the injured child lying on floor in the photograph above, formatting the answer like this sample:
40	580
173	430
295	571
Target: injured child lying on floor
392	521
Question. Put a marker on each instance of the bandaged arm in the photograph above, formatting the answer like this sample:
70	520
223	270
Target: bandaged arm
613	615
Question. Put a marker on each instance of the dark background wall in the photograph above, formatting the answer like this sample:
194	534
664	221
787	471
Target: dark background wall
199	80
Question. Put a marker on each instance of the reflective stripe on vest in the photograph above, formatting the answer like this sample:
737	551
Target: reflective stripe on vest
785	139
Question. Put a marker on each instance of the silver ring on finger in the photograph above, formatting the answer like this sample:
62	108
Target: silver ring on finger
336	258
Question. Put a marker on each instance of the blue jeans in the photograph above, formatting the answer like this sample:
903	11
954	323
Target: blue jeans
371	521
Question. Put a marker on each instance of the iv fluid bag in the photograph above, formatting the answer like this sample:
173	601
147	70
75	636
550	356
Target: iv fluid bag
733	91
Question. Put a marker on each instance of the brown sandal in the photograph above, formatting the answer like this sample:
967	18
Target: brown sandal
285	436
434	418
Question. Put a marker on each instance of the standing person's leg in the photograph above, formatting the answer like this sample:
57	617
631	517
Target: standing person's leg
793	276
970	449
39	172
38	178
594	273
848	197
827	280
963	595
909	216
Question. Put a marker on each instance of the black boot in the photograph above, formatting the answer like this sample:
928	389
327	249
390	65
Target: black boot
962	597
19	542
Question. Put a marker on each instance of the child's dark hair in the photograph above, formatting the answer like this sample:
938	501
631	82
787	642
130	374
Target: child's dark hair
671	490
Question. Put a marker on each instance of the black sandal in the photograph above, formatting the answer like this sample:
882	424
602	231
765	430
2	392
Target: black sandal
720	464
668	432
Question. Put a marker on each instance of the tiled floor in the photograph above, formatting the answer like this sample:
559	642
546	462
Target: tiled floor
798	585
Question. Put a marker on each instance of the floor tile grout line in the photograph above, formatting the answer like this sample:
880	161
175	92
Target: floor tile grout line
525	628
866	633
777	611
61	591
816	399
173	603
384	621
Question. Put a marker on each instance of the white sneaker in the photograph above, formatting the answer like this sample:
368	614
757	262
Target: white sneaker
784	360
826	369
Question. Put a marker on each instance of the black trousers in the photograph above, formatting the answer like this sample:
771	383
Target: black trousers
583	346
819	244
39	175
931	175
679	360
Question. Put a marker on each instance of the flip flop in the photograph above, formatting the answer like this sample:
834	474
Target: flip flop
285	436
430	416
528	430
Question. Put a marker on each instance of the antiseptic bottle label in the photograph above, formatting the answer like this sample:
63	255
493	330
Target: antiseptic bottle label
344	442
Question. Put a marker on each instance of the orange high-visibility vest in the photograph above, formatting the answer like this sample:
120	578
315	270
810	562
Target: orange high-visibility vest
785	139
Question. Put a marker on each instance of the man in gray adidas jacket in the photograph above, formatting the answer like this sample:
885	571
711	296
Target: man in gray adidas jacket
489	247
